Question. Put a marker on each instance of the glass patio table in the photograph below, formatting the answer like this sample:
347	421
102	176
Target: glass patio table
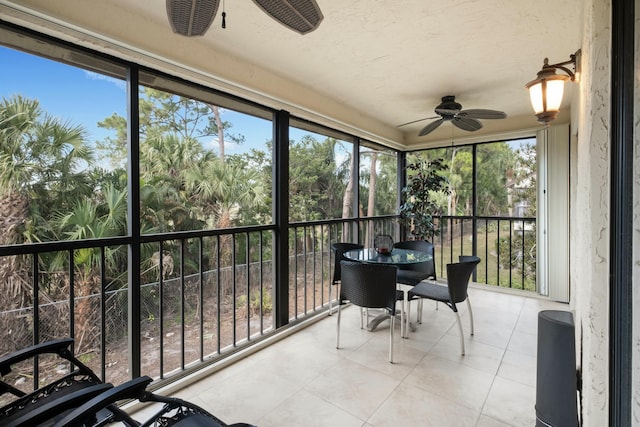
397	257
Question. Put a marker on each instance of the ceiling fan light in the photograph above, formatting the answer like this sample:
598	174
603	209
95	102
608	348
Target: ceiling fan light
191	17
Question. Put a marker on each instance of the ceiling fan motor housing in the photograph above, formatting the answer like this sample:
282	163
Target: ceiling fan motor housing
448	108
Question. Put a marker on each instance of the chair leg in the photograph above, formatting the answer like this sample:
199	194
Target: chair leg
408	315
330	300
338	327
419	316
392	321
470	315
403	321
461	333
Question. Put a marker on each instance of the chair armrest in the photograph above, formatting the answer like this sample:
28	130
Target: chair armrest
130	390
56	347
56	407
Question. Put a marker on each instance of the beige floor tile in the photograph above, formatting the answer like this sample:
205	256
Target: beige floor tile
478	355
528	322
511	402
518	367
309	410
452	380
496	301
374	354
354	388
492	330
248	396
298	362
486	421
412	406
502	319
525	343
425	337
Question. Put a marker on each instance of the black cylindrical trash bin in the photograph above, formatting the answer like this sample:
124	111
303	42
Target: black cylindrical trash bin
556	380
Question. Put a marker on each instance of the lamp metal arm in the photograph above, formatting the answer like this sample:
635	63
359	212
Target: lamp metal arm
575	60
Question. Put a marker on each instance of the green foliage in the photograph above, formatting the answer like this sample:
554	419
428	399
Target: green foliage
425	180
496	164
254	304
381	167
315	184
521	255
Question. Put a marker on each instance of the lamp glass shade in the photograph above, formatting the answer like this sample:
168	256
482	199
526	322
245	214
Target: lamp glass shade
535	93
555	90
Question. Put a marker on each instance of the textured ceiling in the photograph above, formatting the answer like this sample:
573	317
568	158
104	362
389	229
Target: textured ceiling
389	62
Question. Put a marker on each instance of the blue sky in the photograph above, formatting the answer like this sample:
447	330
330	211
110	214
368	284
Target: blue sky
66	92
85	98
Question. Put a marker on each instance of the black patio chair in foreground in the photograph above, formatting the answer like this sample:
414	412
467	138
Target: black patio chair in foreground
173	412
369	286
21	402
455	291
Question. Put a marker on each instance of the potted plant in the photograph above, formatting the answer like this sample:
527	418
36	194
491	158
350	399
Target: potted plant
424	181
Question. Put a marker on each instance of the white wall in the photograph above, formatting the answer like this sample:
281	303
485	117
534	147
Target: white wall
590	219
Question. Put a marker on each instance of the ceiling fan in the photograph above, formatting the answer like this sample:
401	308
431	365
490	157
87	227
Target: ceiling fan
194	17
450	111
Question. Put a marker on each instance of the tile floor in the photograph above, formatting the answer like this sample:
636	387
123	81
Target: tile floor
303	380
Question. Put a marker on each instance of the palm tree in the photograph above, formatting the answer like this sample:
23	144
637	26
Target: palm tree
220	191
104	216
164	161
40	160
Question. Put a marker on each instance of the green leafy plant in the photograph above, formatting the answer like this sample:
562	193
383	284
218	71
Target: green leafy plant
419	198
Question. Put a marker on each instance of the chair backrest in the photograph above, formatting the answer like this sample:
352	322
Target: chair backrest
458	276
428	267
469	258
339	249
369	285
51	385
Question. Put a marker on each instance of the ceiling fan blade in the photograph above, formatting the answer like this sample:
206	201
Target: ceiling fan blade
302	16
430	127
466	123
483	114
191	17
416	121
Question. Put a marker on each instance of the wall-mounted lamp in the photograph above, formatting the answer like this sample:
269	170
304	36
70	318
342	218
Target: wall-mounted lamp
547	89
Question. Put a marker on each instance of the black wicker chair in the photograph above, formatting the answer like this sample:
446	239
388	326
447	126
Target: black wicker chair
20	402
339	249
412	274
455	291
369	286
